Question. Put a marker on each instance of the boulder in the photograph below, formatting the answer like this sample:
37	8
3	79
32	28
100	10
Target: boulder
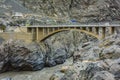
57	57
15	56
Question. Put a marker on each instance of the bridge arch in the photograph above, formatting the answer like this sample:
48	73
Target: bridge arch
61	30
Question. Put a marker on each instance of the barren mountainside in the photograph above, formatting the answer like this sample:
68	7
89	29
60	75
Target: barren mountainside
67	10
80	10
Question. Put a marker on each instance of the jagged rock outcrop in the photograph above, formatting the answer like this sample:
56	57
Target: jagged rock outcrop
100	61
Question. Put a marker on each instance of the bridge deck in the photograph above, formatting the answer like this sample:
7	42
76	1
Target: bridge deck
77	25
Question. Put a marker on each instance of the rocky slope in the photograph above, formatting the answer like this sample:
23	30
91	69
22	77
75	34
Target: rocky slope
65	11
11	6
97	62
78	10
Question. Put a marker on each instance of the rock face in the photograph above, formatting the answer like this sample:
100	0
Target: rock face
99	62
14	56
17	55
80	10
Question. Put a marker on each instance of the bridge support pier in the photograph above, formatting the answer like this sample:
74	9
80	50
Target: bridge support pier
40	33
43	31
33	34
110	31
37	33
102	32
94	30
48	31
53	29
114	31
87	28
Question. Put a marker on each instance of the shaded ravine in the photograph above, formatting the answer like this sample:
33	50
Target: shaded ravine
44	74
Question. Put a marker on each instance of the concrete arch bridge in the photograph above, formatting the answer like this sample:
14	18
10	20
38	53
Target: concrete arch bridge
42	32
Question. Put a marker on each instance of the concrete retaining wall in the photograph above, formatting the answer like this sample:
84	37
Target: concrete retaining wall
27	37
